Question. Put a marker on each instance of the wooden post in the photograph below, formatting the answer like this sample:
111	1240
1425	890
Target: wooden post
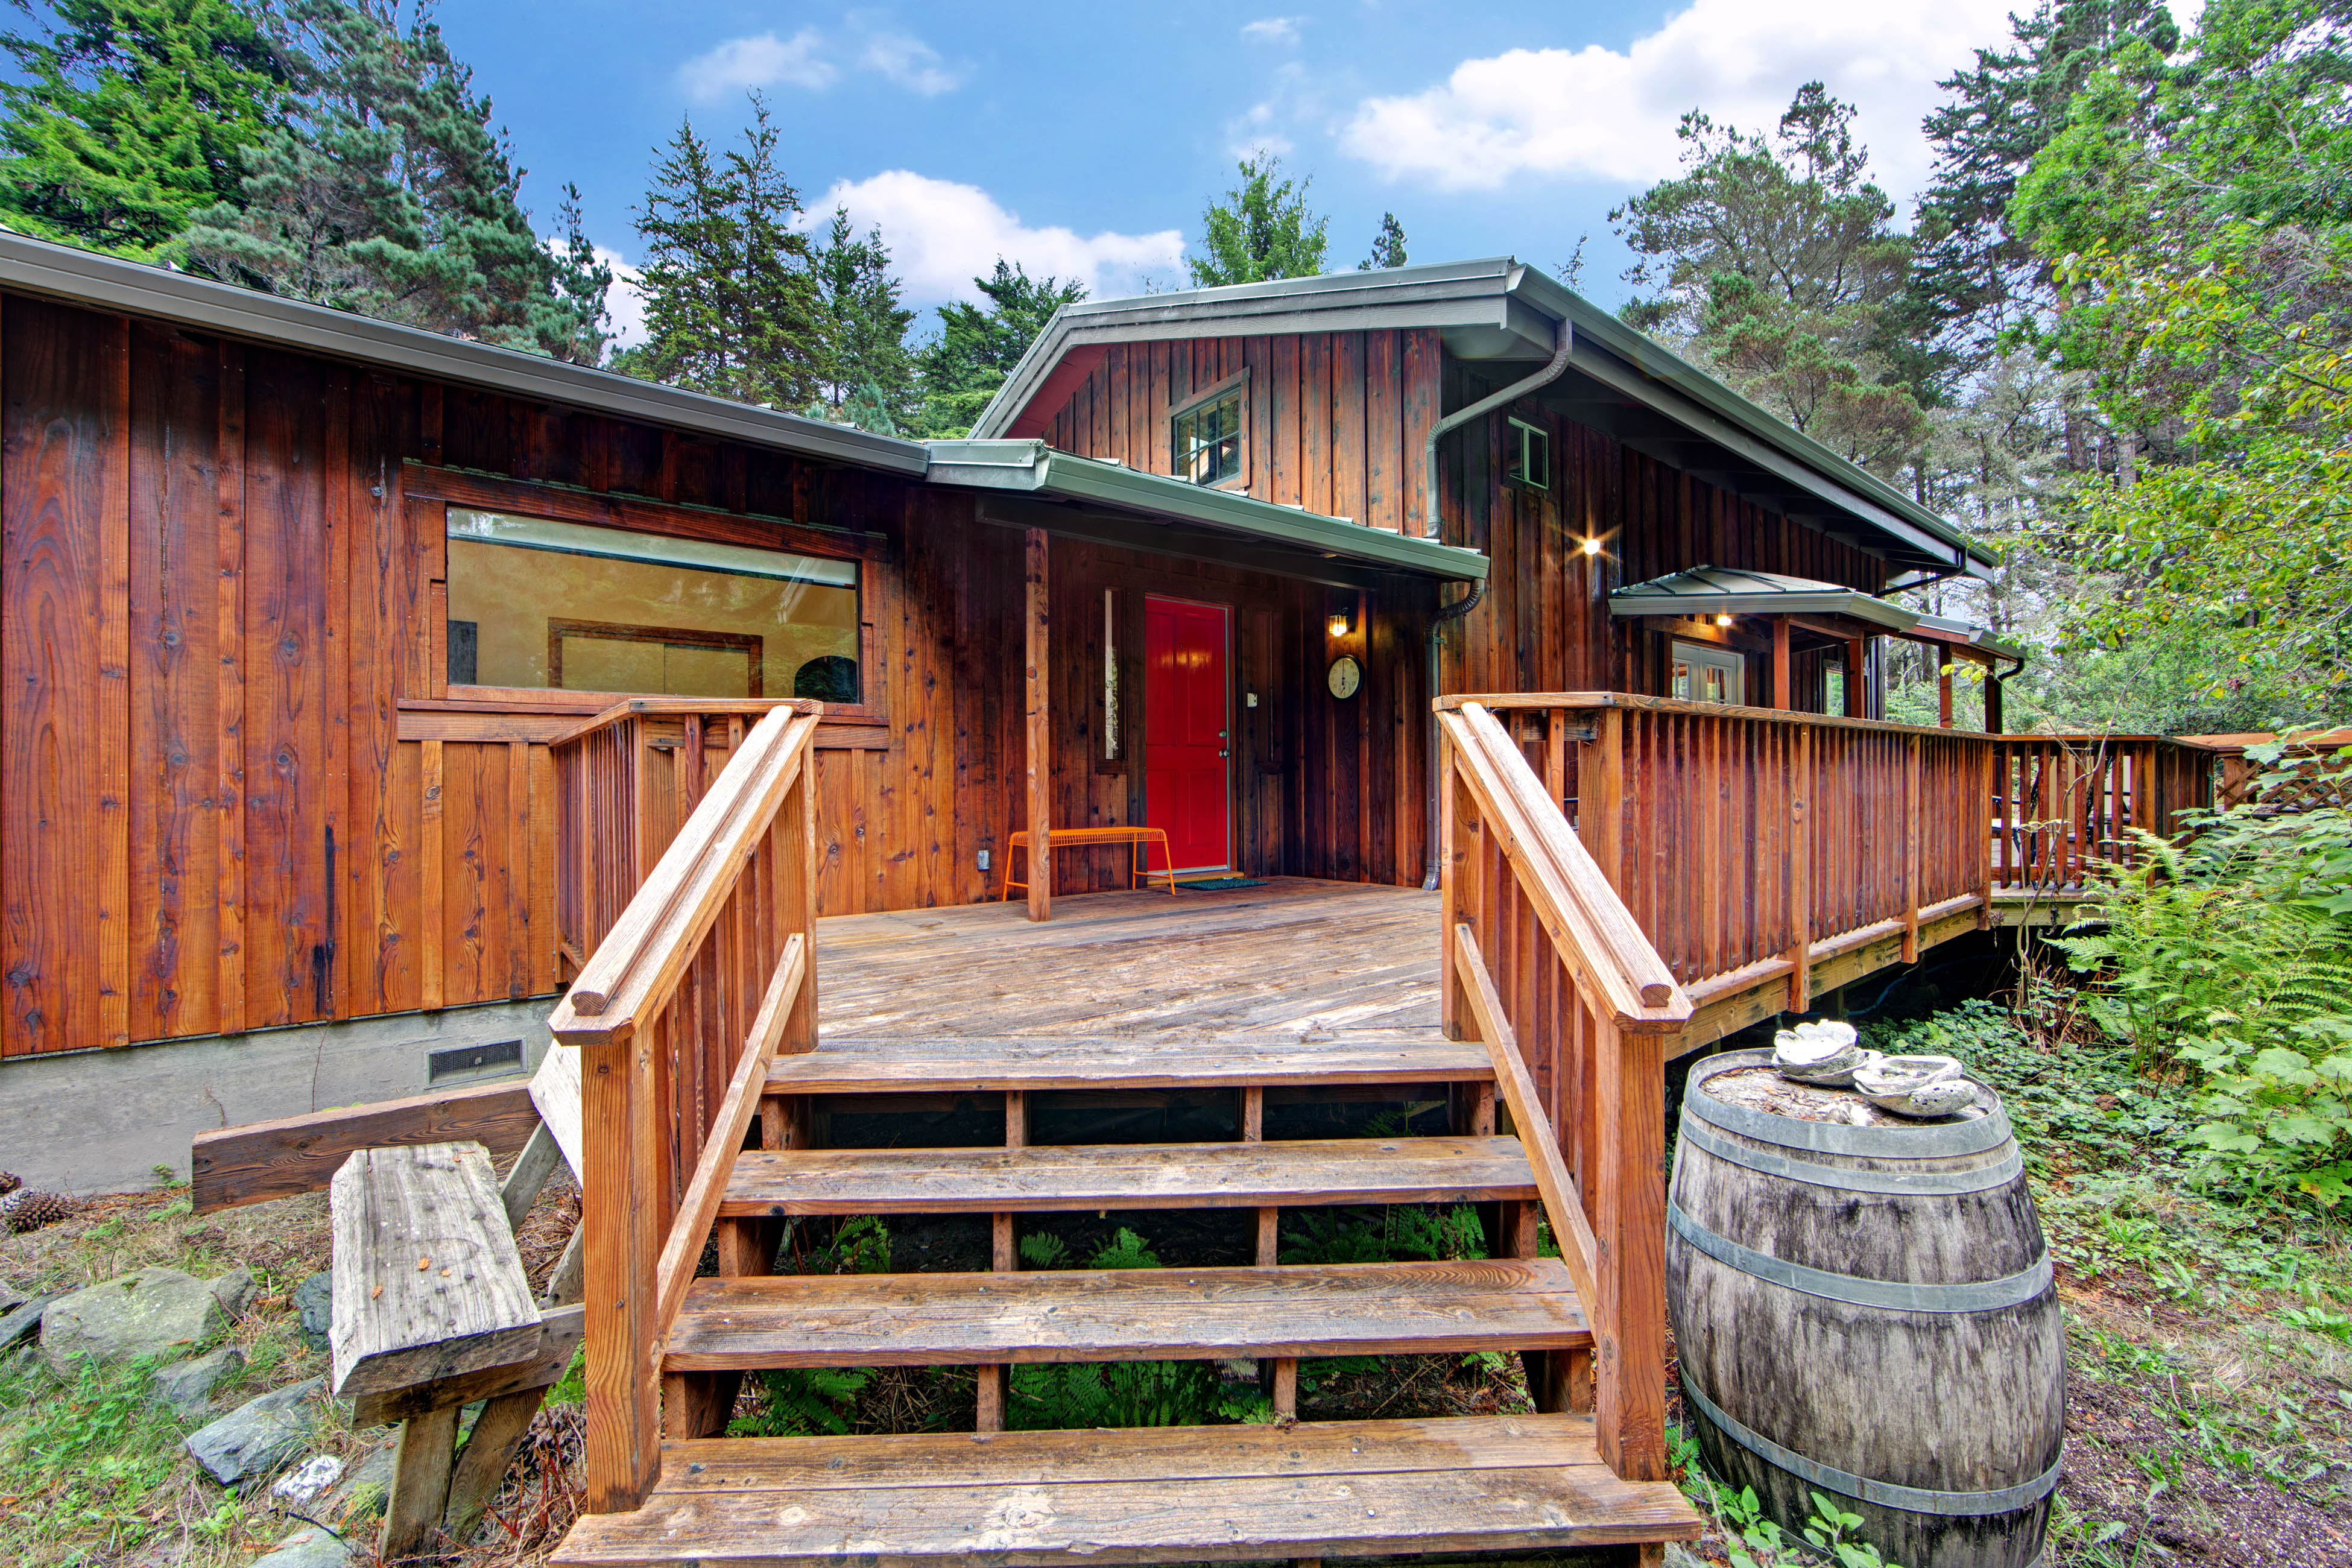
1629	1326
1992	703
1040	733
1800	870
1781	680
1856	658
1005	1259
1606	842
1911	851
623	1247
1943	692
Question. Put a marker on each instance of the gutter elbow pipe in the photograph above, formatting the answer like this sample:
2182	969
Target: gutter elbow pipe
1564	341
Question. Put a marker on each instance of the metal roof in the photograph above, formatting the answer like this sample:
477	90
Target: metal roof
1493	309
1729	591
85	278
1035	468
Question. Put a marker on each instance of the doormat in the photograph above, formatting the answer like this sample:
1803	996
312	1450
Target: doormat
1220	884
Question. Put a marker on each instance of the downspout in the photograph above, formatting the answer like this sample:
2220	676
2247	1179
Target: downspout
1462	607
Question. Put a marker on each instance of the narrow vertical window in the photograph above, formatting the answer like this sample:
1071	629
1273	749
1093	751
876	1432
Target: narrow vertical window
1206	438
1527	456
1110	676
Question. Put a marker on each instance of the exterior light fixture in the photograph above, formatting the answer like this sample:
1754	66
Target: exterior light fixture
1592	547
1340	623
1723	620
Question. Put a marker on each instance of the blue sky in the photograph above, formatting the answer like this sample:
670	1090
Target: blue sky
1083	139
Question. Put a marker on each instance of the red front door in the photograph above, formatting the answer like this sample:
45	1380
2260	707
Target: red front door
1187	719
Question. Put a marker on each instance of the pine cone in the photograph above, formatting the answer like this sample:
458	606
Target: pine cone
24	1211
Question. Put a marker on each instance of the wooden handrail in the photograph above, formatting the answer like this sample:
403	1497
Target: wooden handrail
702	979
1546	965
682	1250
643	707
671	911
1579	1248
1634	702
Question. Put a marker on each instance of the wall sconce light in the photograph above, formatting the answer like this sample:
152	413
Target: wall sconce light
1340	623
1593	546
1723	620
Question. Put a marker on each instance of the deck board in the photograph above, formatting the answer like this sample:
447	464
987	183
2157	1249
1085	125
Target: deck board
1142	1314
1307	959
1150	1496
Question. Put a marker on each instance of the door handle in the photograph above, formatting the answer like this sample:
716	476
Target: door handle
1225	754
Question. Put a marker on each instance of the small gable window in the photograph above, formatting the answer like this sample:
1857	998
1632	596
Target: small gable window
1207	436
1527	456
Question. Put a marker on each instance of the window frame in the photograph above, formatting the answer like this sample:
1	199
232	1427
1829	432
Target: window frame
1708	654
1520	431
1216	392
635	515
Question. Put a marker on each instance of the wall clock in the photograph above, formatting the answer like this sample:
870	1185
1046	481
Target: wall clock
1345	675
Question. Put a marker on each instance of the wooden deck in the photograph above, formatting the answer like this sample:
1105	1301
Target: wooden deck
1293	960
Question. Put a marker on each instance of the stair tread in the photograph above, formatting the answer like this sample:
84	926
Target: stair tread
1046	1177
844	1066
1297	1309
1152	1495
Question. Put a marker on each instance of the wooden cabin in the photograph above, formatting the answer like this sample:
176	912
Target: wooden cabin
366	692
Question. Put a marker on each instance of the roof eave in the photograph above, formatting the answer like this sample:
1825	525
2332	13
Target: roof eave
86	279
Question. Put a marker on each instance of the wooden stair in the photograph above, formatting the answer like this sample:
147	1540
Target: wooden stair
1282	1492
1161	1495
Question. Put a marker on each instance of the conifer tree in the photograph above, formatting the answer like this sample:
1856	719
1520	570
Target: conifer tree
1261	230
391	195
730	304
978	345
1388	246
132	115
864	369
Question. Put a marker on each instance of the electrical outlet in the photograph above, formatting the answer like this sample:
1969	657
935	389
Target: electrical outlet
983	859
1251	700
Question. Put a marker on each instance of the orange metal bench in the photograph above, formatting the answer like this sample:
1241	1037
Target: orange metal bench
1142	839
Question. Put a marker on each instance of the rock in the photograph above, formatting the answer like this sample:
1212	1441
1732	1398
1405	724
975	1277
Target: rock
314	1299
22	1320
259	1435
10	1297
186	1387
309	1548
364	1486
234	1291
157	1312
310	1479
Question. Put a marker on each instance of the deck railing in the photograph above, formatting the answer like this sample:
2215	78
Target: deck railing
626	781
1546	964
1751	844
698	982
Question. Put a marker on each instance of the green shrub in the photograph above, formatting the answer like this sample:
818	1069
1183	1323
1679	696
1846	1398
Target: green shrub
802	1402
1124	1250
1316	1236
2231	954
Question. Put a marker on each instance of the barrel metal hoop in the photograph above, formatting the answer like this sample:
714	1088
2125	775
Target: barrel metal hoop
1973	1296
1941	1141
1884	1494
1982	1178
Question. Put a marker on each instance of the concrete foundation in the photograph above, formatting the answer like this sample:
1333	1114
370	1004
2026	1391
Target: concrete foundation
100	1122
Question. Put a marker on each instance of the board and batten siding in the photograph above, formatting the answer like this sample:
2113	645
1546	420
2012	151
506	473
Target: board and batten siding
237	793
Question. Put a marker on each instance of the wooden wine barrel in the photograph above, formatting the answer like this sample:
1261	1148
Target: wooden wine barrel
1868	1312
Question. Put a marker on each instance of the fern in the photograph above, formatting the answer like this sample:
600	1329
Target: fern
1042	1250
1401	1233
1124	1250
1124	1393
802	1402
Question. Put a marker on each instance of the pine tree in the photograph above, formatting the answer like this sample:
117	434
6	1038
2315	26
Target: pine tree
1776	266
132	115
390	195
866	372
1975	276
1263	230
730	305
1388	245
979	345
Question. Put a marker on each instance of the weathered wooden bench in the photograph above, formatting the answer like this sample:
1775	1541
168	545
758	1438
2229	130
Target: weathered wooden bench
432	1312
1139	863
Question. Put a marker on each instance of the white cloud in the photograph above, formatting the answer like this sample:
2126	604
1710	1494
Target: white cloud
1273	29
942	235
910	62
742	64
1602	114
815	58
625	300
